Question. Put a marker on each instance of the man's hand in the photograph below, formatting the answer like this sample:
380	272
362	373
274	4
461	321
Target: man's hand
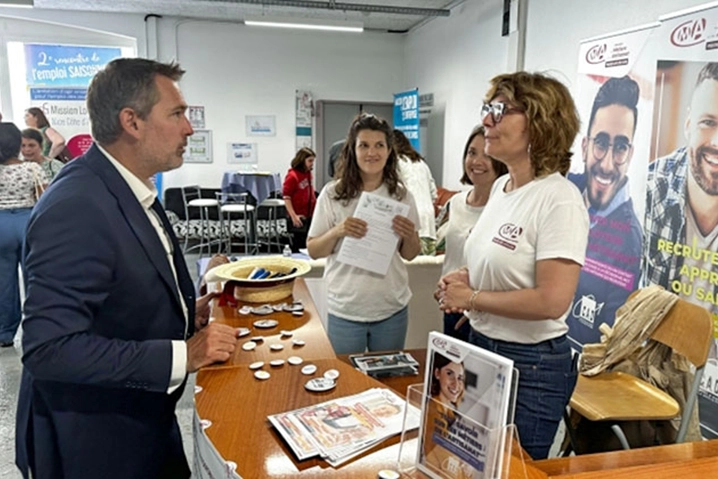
213	344
202	309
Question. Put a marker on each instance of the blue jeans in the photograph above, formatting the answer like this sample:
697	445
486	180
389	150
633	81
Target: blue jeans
450	320
547	376
354	337
12	234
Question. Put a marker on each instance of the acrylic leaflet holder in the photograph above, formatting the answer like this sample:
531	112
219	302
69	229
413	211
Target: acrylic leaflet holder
452	445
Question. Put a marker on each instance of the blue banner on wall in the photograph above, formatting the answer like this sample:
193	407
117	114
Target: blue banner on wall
65	66
406	115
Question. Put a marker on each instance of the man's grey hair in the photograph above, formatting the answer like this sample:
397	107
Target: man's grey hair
124	83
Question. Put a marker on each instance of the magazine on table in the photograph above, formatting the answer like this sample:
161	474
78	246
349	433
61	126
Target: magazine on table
343	428
467	400
386	365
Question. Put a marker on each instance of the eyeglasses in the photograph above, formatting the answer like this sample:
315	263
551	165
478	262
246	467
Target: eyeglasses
619	148
497	110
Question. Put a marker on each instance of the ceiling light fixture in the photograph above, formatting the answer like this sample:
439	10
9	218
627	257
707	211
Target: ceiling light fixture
17	3
306	24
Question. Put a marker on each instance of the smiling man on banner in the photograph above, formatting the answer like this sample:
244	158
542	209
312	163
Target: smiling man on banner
682	204
612	264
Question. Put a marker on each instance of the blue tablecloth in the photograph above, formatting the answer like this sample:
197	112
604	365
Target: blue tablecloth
259	185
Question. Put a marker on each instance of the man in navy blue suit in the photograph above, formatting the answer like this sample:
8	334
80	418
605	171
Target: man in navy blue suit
112	325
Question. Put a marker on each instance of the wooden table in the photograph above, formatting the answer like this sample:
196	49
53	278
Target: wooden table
237	406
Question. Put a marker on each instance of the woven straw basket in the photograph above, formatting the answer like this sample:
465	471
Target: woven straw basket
261	290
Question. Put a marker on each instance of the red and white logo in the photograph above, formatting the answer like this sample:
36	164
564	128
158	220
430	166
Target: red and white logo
597	53
689	33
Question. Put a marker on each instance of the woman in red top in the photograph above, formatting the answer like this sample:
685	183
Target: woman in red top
299	196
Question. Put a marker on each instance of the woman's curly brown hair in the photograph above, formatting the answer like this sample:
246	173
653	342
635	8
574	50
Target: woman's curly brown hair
553	121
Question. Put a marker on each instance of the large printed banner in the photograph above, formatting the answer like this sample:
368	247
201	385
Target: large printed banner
57	78
681	224
615	102
406	115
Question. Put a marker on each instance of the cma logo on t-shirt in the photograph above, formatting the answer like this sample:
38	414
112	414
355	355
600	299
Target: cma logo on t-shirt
508	236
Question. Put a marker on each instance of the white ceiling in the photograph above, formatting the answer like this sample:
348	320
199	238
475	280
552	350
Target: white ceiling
237	10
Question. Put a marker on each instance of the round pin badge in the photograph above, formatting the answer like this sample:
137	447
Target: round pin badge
266	323
261	375
197	389
295	360
309	369
332	374
249	345
263	310
257	339
276	347
245	310
205	423
320	384
278	307
276	362
241	332
298	313
388	474
256	365
298	342
286	334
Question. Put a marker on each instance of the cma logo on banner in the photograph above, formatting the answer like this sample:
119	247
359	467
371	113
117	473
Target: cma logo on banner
689	33
586	309
597	53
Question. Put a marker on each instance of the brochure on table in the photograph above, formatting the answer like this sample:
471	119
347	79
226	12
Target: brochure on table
385	365
466	406
340	429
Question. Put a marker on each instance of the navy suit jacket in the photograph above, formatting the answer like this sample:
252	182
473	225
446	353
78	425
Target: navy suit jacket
102	306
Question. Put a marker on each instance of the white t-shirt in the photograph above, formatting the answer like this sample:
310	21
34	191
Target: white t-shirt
462	218
354	293
543	219
417	178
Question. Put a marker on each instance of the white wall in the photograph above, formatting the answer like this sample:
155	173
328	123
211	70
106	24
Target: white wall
455	57
234	70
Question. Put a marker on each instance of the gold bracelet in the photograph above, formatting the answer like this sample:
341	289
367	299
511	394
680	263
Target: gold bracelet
471	300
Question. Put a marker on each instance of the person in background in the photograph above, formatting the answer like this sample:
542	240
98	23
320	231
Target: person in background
54	142
366	310
32	141
299	196
524	255
335	152
112	326
20	184
416	176
465	208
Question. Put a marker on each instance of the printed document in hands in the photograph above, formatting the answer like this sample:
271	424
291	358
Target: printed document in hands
374	251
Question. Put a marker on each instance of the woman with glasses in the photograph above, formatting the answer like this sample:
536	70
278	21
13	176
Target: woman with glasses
525	253
366	310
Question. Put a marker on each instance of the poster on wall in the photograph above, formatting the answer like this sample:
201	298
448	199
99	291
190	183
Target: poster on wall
261	125
681	224
304	114
195	114
57	77
199	147
615	102
406	115
242	153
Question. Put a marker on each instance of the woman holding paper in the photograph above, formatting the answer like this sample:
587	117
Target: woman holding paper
525	253
367	310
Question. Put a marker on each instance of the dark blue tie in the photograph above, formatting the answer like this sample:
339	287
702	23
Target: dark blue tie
183	278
